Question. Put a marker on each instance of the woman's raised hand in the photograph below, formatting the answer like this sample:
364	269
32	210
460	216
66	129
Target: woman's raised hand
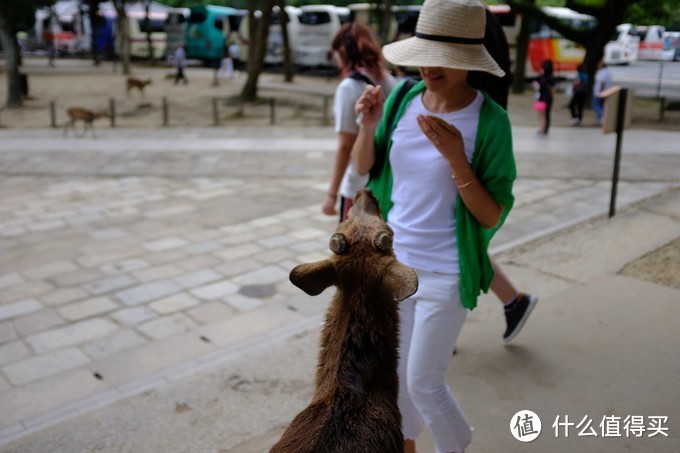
369	107
446	138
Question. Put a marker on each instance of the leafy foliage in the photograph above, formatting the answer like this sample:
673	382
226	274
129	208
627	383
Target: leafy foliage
20	14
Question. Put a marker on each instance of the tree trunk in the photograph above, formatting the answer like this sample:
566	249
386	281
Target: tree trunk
257	49
518	82
385	23
149	42
122	36
9	43
288	69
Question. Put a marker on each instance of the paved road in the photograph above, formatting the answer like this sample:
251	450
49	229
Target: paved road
144	256
650	78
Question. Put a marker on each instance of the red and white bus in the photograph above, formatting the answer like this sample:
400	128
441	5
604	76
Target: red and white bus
544	42
651	42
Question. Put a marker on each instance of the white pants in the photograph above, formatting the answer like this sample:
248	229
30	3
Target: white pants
227	67
431	320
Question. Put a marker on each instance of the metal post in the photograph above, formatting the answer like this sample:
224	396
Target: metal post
658	85
662	108
216	113
53	114
620	120
112	111
272	111
165	111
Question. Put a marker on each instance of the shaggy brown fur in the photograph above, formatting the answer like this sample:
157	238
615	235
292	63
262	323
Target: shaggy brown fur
354	408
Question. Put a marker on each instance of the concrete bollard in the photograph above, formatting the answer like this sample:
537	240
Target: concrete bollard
53	114
272	111
112	112
216	112
165	111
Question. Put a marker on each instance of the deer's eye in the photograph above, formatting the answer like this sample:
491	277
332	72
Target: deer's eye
383	241
338	244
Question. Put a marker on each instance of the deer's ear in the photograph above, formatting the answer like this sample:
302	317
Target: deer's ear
313	278
401	281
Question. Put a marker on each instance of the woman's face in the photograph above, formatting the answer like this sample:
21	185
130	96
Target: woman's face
442	80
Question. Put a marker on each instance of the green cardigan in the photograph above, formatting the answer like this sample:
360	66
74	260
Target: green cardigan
494	164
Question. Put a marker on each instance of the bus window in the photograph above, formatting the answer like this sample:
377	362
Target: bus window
157	26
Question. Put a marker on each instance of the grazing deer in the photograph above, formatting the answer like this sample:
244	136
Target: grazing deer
84	115
354	408
136	83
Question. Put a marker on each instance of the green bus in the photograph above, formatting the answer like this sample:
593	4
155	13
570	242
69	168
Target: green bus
205	32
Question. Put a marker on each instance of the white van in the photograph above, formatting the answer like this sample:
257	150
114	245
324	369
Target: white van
63	26
651	42
623	49
274	55
671	46
318	26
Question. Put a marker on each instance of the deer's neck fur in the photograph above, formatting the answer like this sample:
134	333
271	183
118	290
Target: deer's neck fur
350	350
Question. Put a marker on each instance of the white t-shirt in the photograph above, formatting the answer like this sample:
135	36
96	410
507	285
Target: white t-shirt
423	192
346	95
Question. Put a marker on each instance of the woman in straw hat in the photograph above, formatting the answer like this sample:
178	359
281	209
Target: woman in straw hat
444	176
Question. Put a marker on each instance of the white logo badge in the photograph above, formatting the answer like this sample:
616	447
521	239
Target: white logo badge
525	426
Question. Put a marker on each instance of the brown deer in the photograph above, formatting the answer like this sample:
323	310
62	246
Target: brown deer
84	115
354	407
136	83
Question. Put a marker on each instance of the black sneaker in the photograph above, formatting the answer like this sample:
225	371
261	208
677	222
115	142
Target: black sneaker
518	315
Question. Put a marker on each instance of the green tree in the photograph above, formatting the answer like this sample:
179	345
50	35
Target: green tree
15	16
607	13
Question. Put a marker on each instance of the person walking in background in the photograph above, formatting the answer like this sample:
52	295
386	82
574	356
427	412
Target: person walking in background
227	64
578	96
545	89
444	181
357	55
603	81
518	305
180	63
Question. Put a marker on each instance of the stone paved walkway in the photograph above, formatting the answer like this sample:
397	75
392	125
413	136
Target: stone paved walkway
143	255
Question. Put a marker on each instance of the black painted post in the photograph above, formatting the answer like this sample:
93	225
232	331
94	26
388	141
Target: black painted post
620	123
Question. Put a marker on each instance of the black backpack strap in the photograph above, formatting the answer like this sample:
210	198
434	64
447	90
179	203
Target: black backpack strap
380	153
356	75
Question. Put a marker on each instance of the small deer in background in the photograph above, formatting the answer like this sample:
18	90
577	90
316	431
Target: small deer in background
86	116
136	83
354	408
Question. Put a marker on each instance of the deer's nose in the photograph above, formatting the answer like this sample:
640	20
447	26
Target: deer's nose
365	201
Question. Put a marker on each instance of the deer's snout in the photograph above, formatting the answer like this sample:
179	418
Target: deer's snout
365	202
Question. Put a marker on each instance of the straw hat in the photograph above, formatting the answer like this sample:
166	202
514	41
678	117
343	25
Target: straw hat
449	34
